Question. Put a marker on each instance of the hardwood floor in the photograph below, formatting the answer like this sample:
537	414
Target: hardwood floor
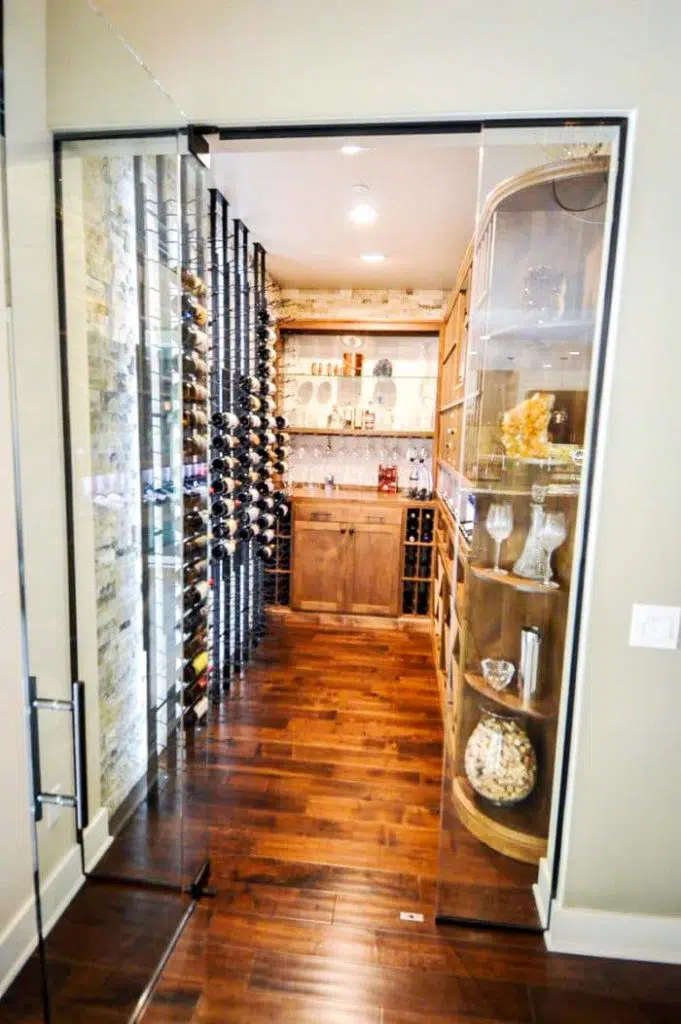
322	788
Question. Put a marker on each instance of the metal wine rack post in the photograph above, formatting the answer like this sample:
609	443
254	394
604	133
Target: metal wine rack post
240	369
260	304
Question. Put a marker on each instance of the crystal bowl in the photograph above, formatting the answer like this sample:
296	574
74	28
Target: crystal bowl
497	673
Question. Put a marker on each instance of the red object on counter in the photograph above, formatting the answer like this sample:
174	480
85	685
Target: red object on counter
387	479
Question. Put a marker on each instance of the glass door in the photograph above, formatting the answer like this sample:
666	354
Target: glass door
529	345
119	817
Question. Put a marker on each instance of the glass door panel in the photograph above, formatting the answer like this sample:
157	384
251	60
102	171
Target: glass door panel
517	494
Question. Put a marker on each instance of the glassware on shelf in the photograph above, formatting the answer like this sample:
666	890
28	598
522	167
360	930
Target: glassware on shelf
499	525
500	761
497	673
532	561
543	293
553	533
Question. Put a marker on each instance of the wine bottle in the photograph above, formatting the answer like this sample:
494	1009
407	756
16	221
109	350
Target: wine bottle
193	619
248	532
253	403
192	391
194	365
269	403
224	420
223	549
282	422
195	645
266	520
196	667
281	511
196	543
195	519
194	417
195	593
224	464
223	506
223	442
267	536
248	384
266	552
255	477
225	528
195	570
280	466
250	514
265	487
249	420
223	485
248	494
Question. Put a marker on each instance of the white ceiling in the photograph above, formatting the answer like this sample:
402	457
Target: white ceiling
294	196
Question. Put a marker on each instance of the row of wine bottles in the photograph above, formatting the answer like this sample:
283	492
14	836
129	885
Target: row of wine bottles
196	520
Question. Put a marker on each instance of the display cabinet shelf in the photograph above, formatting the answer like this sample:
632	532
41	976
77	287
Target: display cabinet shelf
520	583
547	330
512	842
508	699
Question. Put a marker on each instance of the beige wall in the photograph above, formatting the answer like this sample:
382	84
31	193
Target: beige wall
394	59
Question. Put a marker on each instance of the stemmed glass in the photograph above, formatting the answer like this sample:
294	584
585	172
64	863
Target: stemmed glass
499	524
553	533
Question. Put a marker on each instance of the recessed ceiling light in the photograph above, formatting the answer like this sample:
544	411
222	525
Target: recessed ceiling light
351	150
363	213
373	257
546	366
575	353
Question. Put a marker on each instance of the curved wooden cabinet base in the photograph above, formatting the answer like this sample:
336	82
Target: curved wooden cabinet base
512	843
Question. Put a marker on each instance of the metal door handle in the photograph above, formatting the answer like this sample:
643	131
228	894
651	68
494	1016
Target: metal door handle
76	706
352	532
343	530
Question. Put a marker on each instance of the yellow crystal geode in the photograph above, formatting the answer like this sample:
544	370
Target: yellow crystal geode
525	427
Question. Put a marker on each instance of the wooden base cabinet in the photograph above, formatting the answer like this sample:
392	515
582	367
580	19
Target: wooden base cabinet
319	568
351	565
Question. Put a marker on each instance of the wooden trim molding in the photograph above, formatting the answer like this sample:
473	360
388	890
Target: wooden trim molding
324	326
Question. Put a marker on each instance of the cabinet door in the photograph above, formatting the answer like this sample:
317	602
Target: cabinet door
319	566
374	569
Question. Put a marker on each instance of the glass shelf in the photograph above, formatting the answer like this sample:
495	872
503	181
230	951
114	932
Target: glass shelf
321	377
338	432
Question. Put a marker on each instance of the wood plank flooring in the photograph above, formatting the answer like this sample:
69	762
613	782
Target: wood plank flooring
321	784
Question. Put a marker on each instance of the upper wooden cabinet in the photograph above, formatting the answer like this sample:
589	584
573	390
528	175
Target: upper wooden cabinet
347	558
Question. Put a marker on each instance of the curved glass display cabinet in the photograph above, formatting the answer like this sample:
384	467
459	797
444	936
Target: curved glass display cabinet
512	440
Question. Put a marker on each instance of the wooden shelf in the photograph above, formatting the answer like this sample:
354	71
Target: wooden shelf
523	846
342	432
514	582
543	711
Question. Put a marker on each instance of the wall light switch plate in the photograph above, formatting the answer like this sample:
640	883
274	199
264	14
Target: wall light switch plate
655	625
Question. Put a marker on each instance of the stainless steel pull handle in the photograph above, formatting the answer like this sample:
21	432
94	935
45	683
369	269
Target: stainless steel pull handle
76	706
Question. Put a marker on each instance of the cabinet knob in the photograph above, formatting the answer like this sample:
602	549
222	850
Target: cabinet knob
351	532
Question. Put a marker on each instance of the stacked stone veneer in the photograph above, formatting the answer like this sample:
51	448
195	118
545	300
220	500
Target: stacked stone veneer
358	304
112	335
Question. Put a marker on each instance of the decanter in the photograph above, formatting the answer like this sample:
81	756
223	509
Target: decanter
532	562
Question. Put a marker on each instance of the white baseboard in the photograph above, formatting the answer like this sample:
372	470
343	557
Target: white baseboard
20	938
542	892
610	934
96	839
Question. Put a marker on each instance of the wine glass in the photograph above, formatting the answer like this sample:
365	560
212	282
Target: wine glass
553	533
499	524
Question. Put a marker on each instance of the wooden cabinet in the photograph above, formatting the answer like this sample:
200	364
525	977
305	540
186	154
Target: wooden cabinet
320	566
346	559
374	569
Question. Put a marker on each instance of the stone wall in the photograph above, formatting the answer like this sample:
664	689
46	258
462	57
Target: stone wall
359	304
112	317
